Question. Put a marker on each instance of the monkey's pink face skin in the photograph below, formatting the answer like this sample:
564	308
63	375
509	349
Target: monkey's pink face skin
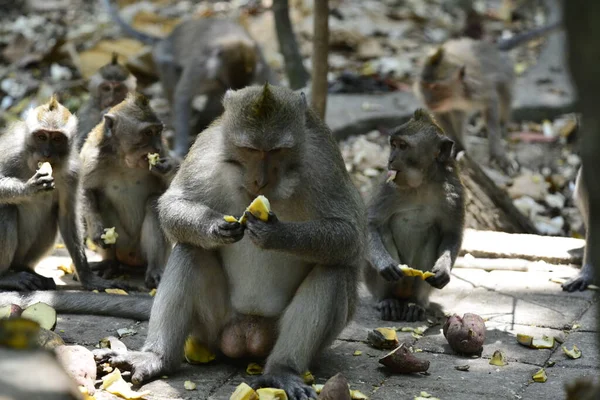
410	178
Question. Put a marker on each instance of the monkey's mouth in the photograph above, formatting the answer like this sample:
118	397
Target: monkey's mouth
391	175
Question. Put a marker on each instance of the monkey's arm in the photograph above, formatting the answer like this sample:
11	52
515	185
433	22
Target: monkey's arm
15	191
191	222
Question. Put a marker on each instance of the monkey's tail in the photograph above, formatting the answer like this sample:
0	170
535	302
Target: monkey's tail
519	39
128	29
77	302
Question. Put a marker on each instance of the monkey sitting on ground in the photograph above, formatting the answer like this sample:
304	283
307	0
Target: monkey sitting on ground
466	75
204	56
121	186
33	202
108	87
415	218
586	275
284	287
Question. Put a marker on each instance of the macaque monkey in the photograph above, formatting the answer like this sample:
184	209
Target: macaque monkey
201	57
282	288
108	87
121	187
465	75
586	275
34	201
415	218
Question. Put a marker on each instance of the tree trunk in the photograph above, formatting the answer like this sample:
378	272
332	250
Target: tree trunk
582	20
319	59
288	45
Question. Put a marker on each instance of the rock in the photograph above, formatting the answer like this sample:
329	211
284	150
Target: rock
370	48
556	200
529	184
549	226
528	206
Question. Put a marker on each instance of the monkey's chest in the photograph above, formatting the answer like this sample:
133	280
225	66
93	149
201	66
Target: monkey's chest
261	282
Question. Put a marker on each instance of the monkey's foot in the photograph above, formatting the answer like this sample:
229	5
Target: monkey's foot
93	282
26	281
143	365
579	283
510	167
400	310
292	384
153	277
107	269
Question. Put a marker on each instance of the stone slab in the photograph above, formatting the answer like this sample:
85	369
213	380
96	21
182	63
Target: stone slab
87	330
587	343
589	320
554	387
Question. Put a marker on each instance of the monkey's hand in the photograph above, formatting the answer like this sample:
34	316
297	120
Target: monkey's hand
97	238
163	166
581	281
40	182
226	232
441	269
388	269
264	234
291	383
143	365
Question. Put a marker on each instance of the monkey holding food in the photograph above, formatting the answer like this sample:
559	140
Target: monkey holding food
465	75
39	189
201	57
282	288
124	171
415	218
108	87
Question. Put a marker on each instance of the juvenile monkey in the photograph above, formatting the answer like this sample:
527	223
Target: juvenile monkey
33	202
285	287
121	187
586	275
108	87
415	218
465	75
201	57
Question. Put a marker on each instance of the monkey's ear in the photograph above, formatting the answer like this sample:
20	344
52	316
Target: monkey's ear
445	150
422	115
109	123
304	99
435	58
461	72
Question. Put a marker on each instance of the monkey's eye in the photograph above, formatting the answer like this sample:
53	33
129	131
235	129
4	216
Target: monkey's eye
41	137
402	145
150	132
59	138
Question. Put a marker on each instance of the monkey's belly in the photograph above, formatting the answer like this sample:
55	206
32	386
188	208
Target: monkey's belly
261	282
37	227
412	239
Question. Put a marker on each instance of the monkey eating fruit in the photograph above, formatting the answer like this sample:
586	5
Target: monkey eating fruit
416	218
307	257
260	208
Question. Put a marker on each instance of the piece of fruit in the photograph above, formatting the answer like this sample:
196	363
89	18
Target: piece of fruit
116	291
260	208
383	338
465	335
336	388
244	392
196	353
79	364
574	353
152	159
402	361
254	369
189	385
114	383
498	359
357	353
152	292
230	218
18	333
357	395
41	313
308	378
45	168
109	236
10	311
271	394
67	269
540	376
49	340
391	175
111	342
536	343
408	271
318	388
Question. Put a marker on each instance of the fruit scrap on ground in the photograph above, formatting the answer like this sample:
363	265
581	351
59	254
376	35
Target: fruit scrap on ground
536	343
465	335
244	392
254	369
574	353
498	359
116	291
402	361
115	384
540	376
196	353
271	394
383	338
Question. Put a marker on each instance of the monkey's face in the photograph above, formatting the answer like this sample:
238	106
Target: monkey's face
416	148
111	93
442	94
48	146
134	138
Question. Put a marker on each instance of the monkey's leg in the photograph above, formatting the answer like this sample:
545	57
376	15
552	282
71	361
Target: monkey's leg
154	245
494	128
167	68
449	126
320	309
193	297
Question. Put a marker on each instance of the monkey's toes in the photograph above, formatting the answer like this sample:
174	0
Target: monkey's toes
293	385
576	284
414	312
390	309
152	279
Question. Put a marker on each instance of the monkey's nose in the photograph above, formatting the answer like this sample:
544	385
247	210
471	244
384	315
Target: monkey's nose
260	184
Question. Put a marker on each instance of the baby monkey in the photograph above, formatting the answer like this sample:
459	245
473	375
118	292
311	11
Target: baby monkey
415	218
108	87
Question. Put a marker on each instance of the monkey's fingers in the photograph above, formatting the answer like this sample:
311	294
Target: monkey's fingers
391	273
293	385
576	284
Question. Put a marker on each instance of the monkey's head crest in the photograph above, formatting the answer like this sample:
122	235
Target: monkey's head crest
115	58
423	115
139	99
265	103
51	115
436	57
53	103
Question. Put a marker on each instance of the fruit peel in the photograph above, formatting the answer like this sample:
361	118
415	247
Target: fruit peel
271	394
196	353
109	236
575	353
383	338
540	376
498	359
244	392
413	272
115	384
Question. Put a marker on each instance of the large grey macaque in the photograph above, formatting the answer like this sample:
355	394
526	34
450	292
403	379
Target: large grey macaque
34	202
282	288
121	188
108	87
204	56
586	275
416	218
